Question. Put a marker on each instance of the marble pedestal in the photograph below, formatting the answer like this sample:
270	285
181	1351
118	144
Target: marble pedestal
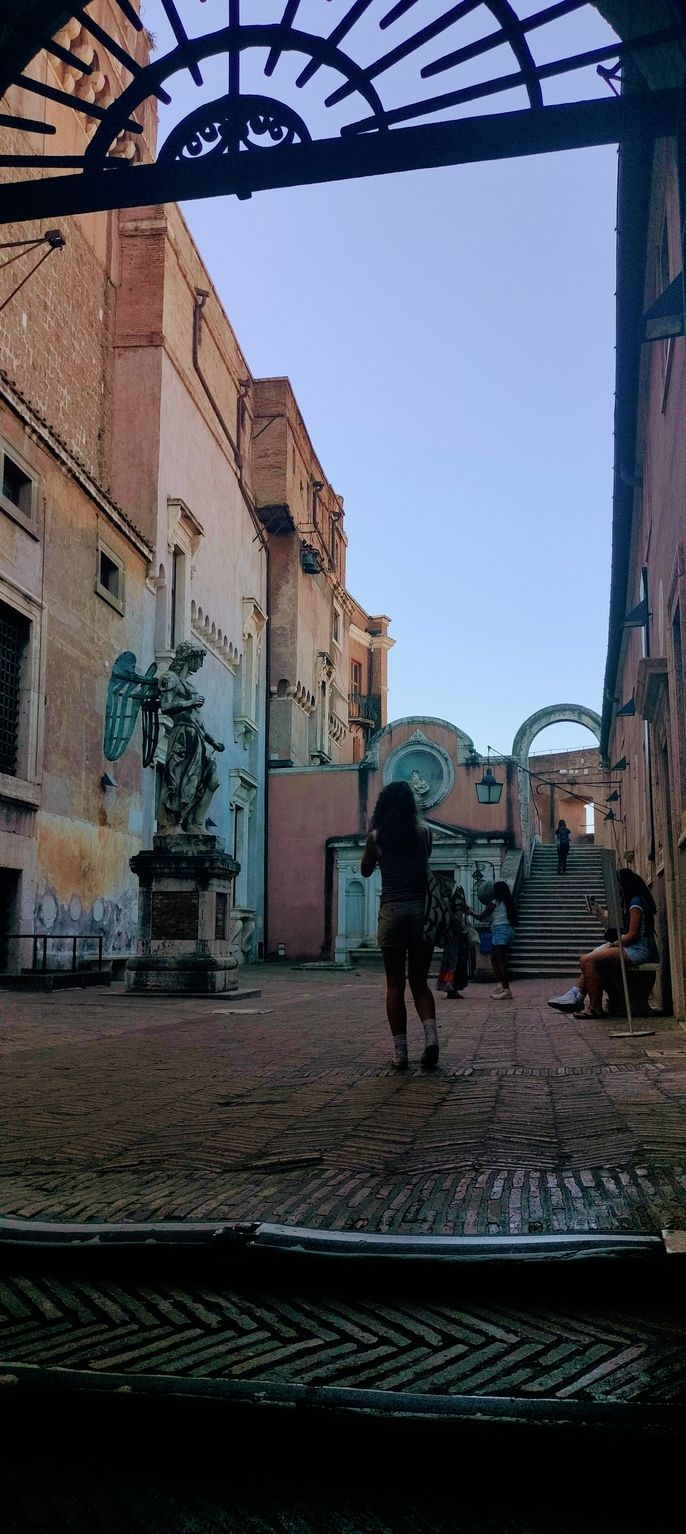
184	917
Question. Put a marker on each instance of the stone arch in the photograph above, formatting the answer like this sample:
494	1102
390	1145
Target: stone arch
557	713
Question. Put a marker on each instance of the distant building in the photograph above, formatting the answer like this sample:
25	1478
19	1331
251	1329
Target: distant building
328	658
570	786
319	817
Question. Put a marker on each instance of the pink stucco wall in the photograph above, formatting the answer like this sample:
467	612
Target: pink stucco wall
305	808
308	807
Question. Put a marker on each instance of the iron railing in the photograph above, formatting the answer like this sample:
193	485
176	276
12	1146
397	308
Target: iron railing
57	937
363	708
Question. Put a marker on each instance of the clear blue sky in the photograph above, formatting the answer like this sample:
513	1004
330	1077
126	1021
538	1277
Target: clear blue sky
450	339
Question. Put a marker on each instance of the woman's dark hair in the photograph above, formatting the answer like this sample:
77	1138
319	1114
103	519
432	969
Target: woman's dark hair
395	818
632	885
561	823
502	892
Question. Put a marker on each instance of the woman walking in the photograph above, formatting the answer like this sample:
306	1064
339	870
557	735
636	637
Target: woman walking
400	847
503	913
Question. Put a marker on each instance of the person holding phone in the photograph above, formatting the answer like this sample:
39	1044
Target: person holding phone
600	967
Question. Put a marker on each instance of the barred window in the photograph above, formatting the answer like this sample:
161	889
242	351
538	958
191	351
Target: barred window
14	638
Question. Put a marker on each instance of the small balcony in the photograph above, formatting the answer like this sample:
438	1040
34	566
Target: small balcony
364	709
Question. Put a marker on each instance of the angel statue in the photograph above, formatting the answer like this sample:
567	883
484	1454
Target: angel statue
190	772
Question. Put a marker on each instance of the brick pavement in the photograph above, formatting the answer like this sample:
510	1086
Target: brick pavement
284	1108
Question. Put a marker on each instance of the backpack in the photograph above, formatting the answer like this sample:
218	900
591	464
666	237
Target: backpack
438	913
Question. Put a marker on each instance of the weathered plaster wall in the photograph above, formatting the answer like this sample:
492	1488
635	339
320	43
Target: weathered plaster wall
85	833
651	818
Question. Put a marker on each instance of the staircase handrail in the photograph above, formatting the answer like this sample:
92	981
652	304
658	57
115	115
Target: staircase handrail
528	853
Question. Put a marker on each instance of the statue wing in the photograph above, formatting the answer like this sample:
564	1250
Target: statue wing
150	704
126	693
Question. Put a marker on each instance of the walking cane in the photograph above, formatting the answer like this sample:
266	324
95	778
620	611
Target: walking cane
630	1032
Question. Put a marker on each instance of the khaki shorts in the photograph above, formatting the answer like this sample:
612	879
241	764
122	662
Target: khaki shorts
401	924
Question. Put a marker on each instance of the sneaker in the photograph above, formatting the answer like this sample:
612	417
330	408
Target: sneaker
505	995
567	1003
399	1065
429	1059
497	992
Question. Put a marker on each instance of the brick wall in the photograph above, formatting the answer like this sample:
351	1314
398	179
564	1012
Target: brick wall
56	338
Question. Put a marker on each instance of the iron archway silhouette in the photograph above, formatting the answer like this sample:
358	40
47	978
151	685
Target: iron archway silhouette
413	94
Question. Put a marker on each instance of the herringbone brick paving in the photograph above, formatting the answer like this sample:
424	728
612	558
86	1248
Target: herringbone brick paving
285	1108
390	1342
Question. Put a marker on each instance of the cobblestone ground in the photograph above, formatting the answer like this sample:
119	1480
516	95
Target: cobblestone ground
284	1108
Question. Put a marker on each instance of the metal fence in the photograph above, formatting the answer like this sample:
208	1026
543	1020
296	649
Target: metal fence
40	940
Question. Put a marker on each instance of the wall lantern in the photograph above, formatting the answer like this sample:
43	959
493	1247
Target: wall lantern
620	766
309	560
488	790
610	815
627	710
612	798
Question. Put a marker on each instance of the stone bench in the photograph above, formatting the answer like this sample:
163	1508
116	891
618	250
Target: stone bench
640	980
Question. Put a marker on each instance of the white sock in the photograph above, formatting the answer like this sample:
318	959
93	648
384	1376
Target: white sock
400	1047
430	1030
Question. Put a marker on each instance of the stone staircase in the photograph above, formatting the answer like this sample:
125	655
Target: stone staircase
554	925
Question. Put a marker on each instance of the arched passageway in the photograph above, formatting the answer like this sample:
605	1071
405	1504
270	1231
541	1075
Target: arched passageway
556	713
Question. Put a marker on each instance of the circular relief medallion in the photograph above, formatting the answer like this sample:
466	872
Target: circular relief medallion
425	766
48	910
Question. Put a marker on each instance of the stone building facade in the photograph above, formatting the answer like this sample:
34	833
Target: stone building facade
182	393
153	492
73	570
644	716
328	658
126	523
572	786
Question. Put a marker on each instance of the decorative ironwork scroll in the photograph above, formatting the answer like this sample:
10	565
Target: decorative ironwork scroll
380	86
